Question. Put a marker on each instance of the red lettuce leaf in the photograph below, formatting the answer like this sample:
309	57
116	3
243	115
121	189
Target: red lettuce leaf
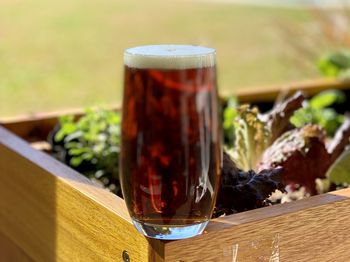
278	119
241	191
302	154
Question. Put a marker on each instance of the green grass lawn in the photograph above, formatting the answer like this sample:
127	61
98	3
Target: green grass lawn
68	54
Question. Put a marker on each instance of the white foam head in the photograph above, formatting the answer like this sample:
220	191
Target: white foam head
169	57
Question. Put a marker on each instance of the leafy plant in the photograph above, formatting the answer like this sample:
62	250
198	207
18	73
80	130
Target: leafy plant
251	138
339	172
341	139
91	145
268	152
277	119
254	132
335	64
241	191
229	115
304	154
317	111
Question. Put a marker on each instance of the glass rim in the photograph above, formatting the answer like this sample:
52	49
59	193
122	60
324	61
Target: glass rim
170	56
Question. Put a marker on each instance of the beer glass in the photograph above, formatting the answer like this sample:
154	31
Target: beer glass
171	141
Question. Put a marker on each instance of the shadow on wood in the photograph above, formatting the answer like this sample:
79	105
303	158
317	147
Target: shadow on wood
27	201
52	213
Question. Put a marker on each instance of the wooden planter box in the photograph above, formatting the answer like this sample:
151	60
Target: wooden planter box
48	212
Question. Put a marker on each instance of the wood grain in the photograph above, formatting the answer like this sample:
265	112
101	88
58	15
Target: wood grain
54	214
36	127
269	93
10	252
314	229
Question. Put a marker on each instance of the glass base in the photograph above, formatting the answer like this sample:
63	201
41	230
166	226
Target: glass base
171	232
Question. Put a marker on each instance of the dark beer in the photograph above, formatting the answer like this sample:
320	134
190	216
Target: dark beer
170	150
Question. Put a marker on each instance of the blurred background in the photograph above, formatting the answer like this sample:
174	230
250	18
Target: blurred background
68	54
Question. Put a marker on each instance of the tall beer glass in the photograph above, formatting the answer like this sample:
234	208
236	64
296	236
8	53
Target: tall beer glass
171	140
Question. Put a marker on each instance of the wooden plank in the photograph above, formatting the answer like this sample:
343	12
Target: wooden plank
10	252
314	229
269	93
54	214
36	127
31	129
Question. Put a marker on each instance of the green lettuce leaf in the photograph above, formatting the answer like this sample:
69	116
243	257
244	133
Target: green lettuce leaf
317	111
254	132
339	172
251	138
335	64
